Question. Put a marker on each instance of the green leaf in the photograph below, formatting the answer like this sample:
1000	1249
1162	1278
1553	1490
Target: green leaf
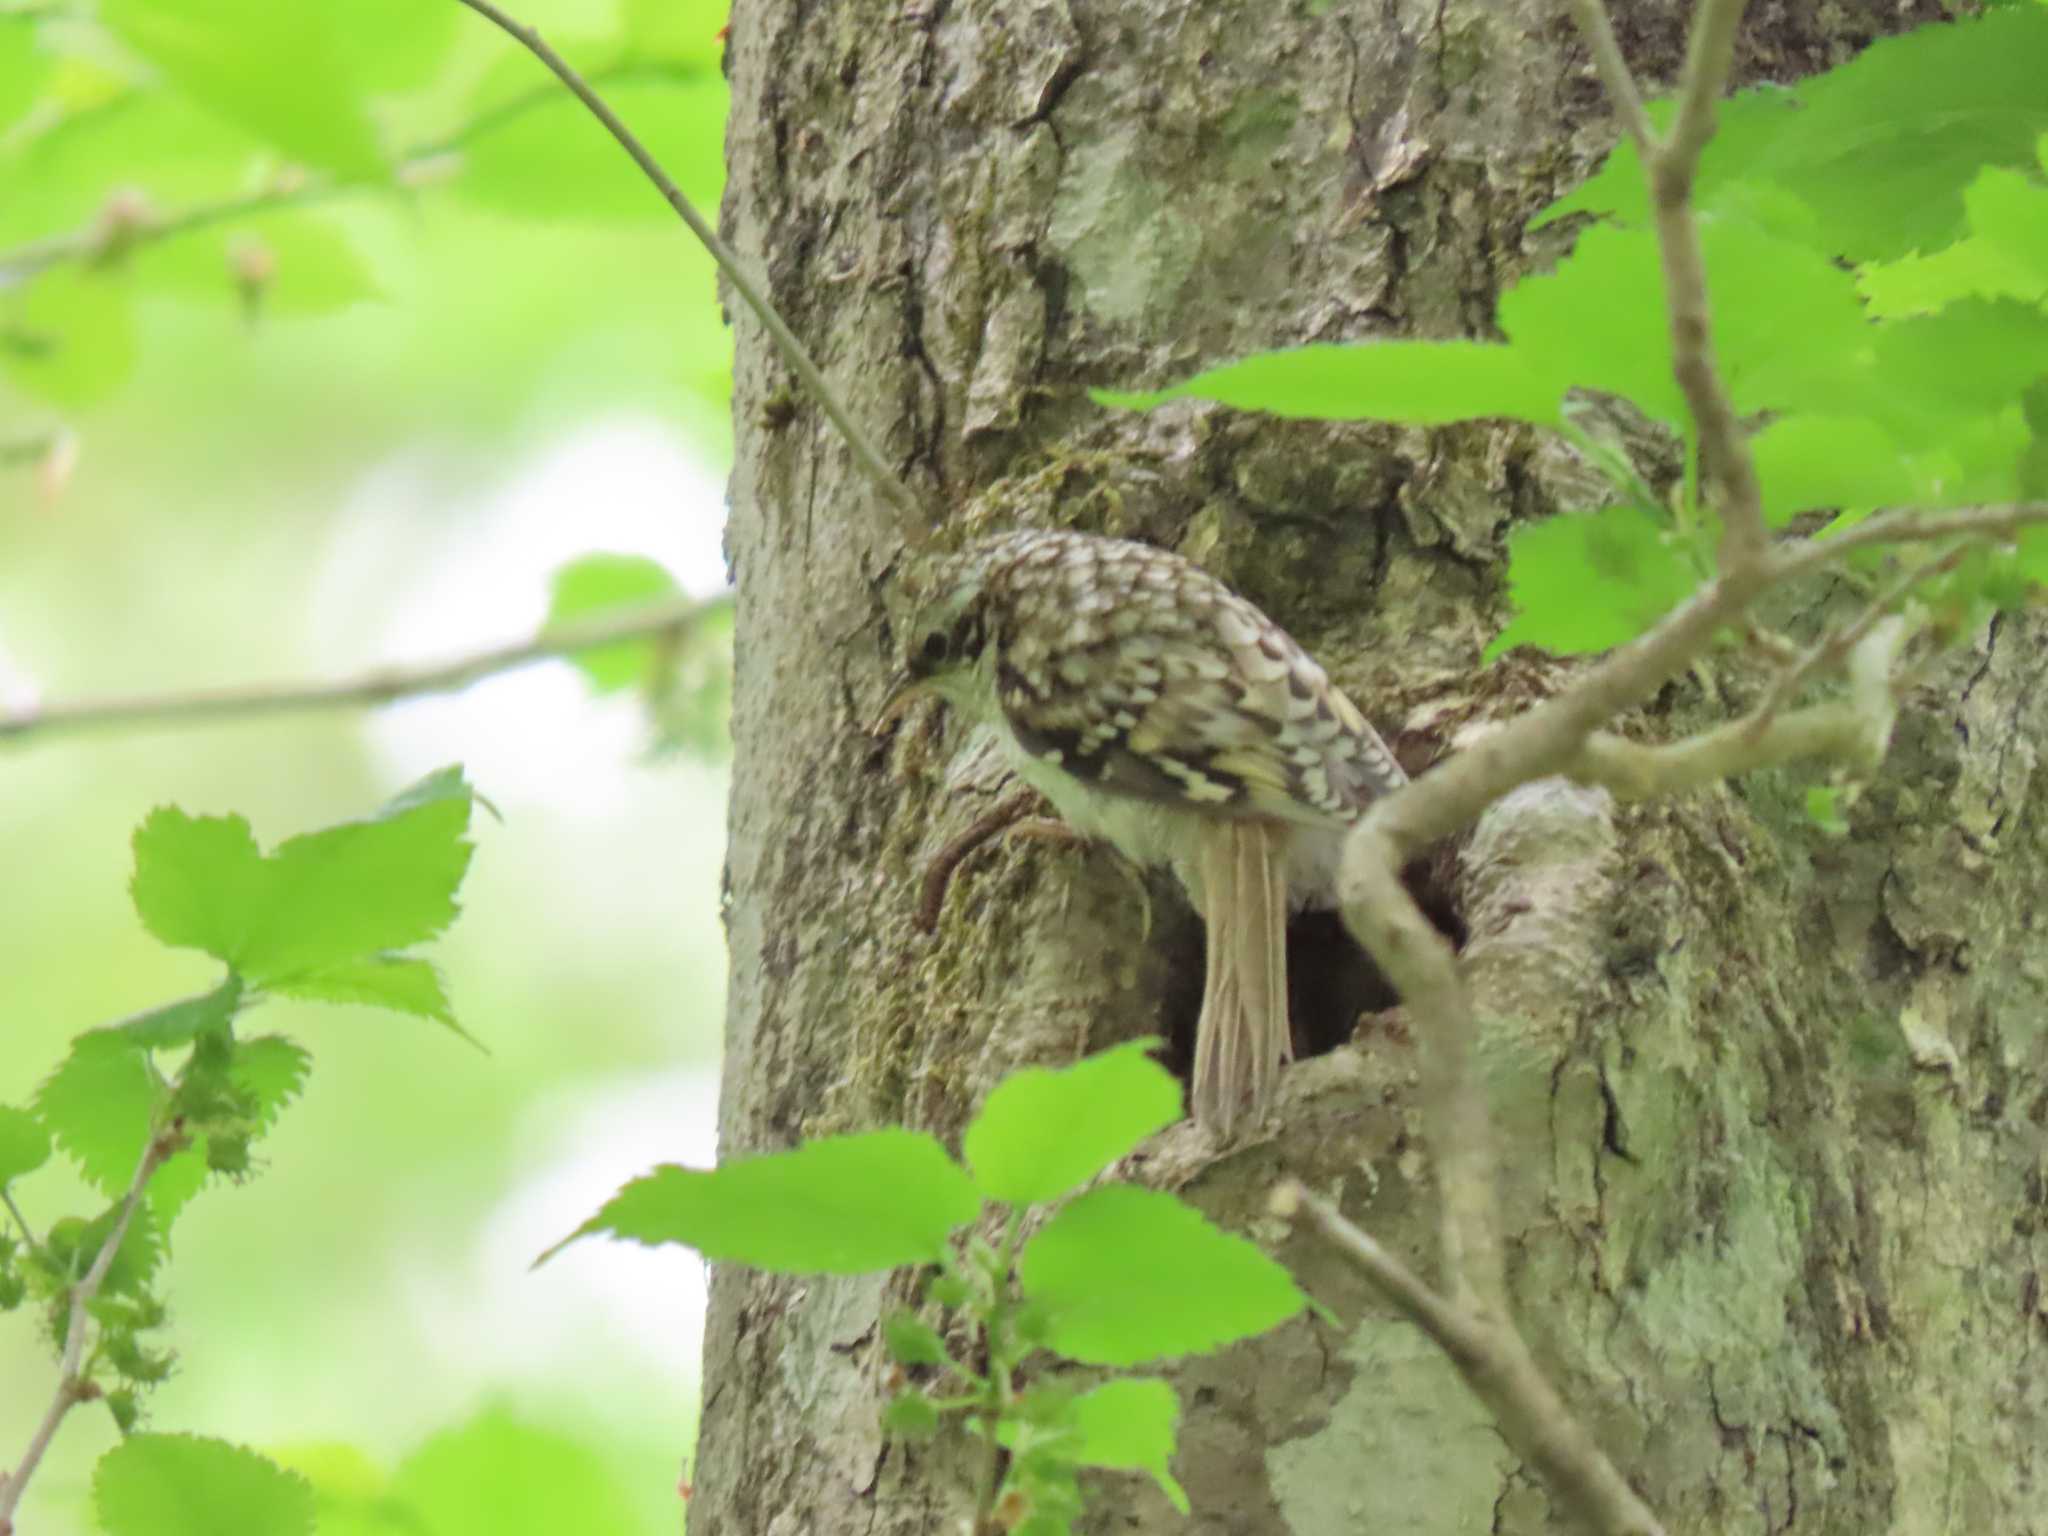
23	68
68	337
182	1485
680	30
2006	255
1878	151
1831	461
1825	805
1129	1275
1586	581
181	1022
1427	383
499	1476
24	1144
555	161
841	1205
378	981
1043	1133
912	1341
277	70
99	1105
1128	1424
73	1245
607	583
1883	146
910	1415
321	900
389	45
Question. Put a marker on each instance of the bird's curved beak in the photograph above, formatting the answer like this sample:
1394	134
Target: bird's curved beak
904	692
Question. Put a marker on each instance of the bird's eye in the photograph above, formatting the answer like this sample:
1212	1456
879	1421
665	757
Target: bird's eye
934	650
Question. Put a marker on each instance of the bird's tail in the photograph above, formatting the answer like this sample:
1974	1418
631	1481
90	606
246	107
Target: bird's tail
1242	1037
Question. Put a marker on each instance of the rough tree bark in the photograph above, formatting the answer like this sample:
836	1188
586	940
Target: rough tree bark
1771	1105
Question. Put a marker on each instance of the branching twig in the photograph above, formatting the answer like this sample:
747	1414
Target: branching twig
674	616
1855	731
1670	164
1909	527
72	1386
1833	648
1501	1373
866	455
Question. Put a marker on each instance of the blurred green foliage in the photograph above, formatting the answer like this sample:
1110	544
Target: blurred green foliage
266	273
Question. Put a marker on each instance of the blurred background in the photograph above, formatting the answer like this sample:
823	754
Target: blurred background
366	429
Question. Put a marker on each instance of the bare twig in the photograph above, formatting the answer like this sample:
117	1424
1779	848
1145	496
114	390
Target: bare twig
1502	1374
674	616
885	480
1909	527
1833	648
72	1386
104	238
1855	732
1620	84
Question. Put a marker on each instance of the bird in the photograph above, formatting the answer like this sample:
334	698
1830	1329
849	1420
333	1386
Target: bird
1159	711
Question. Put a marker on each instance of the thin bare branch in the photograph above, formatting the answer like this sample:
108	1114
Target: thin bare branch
72	1387
915	521
1855	732
1833	648
130	226
1496	1364
1908	527
672	617
1620	84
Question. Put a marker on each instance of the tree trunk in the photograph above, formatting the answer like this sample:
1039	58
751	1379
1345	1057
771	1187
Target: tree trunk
1769	1106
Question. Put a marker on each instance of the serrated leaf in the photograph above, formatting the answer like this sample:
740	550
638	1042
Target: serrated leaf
498	1476
99	1104
1426	383
1042	1132
1587	581
841	1205
1884	145
68	336
320	900
1128	1424
181	1022
1129	1275
74	1245
912	1341
24	1143
276	70
377	981
183	1485
609	583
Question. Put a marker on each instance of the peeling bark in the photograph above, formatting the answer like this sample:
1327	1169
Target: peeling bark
1771	1105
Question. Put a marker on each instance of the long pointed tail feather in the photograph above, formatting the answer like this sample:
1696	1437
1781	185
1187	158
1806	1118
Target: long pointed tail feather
1242	1038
